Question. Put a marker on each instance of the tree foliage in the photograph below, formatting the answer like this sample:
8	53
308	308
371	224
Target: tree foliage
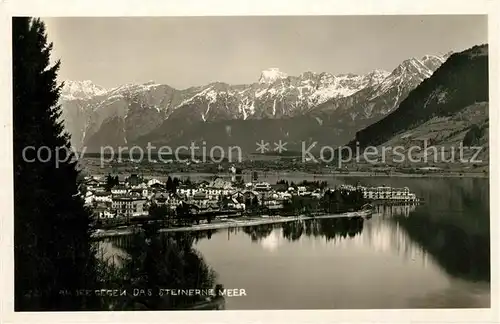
52	248
473	136
111	182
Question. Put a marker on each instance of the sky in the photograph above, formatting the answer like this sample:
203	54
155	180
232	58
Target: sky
193	51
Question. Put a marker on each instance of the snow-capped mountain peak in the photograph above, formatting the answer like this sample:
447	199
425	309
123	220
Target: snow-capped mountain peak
432	57
377	76
81	90
271	75
412	66
432	61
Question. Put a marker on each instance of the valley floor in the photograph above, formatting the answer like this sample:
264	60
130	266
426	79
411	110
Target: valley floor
284	172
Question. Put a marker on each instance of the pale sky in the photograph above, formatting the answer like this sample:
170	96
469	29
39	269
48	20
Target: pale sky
191	51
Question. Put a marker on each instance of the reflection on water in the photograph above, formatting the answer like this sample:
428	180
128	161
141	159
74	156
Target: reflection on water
159	272
427	256
386	211
330	229
431	255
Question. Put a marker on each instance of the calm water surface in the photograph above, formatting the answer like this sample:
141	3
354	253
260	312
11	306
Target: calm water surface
433	255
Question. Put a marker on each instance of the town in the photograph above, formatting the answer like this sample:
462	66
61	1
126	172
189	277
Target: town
175	202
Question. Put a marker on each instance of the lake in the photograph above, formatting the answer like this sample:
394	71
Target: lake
429	256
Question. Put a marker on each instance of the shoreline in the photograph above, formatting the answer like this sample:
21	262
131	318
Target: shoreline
234	223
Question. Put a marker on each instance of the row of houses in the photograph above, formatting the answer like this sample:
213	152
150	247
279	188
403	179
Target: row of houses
133	196
128	199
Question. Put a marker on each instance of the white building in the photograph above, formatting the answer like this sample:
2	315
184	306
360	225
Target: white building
141	185
302	191
129	206
280	195
89	198
388	193
262	186
143	192
119	190
348	187
273	204
153	182
102	197
104	214
216	193
233	203
187	192
316	194
174	201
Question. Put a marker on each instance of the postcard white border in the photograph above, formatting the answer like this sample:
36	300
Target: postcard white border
45	8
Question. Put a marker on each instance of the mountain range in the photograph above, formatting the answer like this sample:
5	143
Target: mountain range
460	82
320	107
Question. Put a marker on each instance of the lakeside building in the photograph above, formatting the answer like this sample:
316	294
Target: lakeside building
280	195
91	183
301	190
104	196
273	204
174	201
142	192
187	191
154	183
389	193
168	199
211	191
317	194
157	186
384	193
262	186
216	193
103	212
129	206
119	190
233	203
350	187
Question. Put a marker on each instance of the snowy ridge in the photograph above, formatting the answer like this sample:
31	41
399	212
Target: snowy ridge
383	93
81	90
131	88
409	71
271	75
285	96
274	95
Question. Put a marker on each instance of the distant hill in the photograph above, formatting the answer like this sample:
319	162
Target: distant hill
469	127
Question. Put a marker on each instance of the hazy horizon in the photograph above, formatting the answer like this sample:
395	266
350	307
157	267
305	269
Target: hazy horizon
191	51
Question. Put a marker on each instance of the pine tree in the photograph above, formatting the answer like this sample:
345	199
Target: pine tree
175	184
169	184
109	182
53	252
